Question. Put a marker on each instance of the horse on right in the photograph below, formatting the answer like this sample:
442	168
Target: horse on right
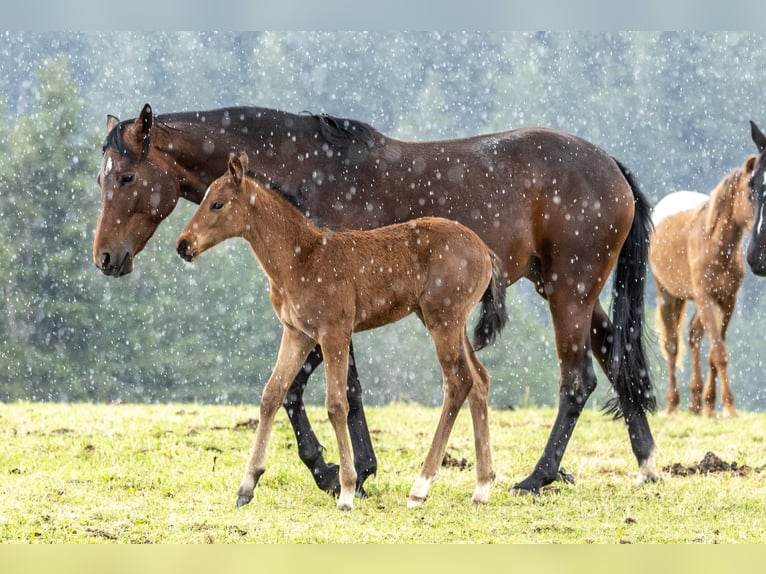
695	253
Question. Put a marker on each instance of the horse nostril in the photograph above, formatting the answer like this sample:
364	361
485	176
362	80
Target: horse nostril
105	261
183	247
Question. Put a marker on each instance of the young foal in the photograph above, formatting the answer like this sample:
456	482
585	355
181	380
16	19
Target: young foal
324	285
696	254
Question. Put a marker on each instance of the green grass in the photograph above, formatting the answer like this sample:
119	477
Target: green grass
169	474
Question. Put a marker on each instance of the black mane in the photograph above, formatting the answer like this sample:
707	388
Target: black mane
336	131
342	132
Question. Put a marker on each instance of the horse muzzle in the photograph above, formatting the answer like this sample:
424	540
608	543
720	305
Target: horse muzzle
115	265
186	250
756	257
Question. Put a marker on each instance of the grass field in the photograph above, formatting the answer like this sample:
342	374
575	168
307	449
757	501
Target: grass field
81	473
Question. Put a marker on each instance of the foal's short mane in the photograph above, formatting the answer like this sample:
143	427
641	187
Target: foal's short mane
337	132
273	185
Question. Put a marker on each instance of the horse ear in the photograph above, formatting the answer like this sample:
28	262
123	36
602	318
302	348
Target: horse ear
758	137
143	125
111	123
749	165
237	167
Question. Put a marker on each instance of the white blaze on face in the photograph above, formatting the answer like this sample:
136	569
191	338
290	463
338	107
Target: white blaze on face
206	192
107	166
759	225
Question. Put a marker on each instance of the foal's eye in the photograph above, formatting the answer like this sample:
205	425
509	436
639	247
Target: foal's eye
126	178
216	205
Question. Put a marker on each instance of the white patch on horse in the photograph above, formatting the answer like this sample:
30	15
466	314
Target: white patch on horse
206	192
675	203
108	166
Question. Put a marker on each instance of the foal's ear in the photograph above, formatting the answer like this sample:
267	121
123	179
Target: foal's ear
143	125
758	137
238	167
111	123
749	165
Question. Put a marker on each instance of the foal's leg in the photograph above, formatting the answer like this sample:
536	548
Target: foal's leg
477	400
293	349
309	448
457	378
727	397
715	319
669	312
336	369
696	333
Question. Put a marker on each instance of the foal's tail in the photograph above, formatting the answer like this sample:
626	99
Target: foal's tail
493	311
628	365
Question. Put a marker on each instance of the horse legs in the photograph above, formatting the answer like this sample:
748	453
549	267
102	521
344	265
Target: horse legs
727	397
641	440
293	350
715	319
478	398
309	448
336	355
696	332
670	309
450	347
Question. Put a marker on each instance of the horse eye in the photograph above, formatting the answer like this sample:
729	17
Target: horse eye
126	178
216	206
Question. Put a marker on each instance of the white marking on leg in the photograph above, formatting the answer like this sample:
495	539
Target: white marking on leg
419	492
346	500
647	472
481	494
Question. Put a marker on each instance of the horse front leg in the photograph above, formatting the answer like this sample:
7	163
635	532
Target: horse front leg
293	350
310	450
336	373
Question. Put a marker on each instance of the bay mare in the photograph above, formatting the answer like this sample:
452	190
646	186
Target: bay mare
555	208
696	255
325	285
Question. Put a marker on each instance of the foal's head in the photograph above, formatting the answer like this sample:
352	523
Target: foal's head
222	213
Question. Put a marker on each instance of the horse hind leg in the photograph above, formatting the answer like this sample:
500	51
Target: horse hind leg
478	398
578	380
457	383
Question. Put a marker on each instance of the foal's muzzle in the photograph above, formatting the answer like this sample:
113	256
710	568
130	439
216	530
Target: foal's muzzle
184	249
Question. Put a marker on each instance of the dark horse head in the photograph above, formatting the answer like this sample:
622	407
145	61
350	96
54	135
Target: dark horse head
137	193
756	251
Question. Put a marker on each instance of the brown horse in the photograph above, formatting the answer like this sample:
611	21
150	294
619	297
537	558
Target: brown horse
325	285
696	255
555	208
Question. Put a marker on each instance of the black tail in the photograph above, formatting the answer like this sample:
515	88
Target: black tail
494	314
628	365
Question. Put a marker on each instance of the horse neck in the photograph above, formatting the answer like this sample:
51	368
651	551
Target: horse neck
199	150
727	230
279	235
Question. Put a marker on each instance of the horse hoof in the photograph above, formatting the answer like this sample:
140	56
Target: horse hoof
415	501
242	500
343	507
564	476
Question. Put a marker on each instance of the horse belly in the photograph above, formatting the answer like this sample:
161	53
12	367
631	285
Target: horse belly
669	256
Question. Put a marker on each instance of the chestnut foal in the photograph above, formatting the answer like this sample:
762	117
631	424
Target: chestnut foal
325	285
